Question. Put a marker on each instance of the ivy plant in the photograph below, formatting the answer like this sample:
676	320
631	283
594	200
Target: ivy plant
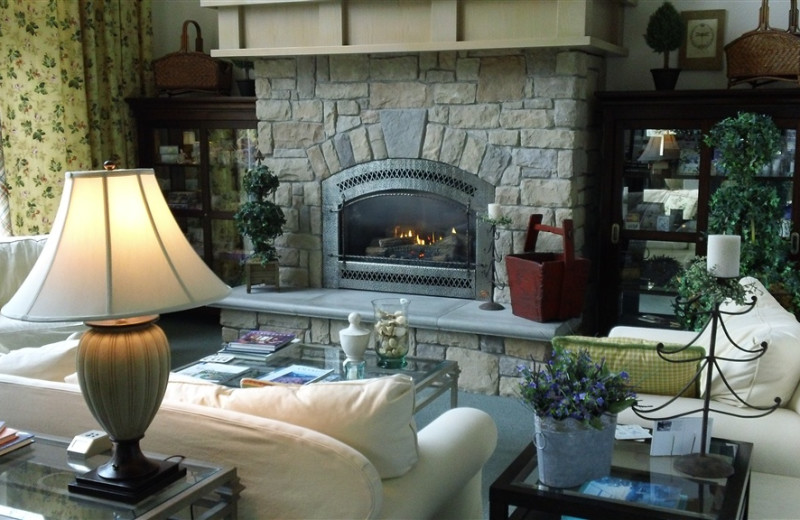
259	218
746	206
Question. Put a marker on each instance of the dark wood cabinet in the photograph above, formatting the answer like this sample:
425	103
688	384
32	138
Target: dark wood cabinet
658	177
199	148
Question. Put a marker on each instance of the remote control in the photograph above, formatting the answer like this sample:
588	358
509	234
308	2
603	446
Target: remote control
218	358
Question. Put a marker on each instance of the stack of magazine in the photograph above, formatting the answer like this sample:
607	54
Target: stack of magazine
259	342
12	439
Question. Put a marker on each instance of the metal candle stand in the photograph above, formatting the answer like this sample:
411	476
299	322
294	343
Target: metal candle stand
702	464
492	305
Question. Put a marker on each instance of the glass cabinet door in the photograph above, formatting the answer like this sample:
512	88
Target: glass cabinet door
658	194
200	173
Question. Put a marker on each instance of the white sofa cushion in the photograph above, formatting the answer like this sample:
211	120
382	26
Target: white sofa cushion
373	416
49	362
17	256
777	372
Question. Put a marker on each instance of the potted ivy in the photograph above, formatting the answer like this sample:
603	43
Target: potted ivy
261	221
575	401
746	206
665	33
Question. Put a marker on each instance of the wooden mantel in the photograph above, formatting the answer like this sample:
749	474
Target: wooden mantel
252	28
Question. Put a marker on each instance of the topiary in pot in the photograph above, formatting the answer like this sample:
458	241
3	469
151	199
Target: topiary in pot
665	33
258	218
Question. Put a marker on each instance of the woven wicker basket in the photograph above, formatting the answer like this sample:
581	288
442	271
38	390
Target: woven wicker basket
765	55
192	71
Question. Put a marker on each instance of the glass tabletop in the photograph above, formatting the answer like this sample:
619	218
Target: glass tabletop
638	482
34	480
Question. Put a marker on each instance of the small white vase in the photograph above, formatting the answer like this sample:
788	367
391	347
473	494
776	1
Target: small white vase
355	340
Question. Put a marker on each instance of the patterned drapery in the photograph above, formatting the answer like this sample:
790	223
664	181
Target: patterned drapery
66	67
5	211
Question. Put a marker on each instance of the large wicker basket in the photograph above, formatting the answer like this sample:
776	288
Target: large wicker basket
192	71
765	54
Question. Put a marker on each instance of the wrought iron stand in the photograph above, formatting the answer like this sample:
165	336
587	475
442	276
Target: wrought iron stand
702	464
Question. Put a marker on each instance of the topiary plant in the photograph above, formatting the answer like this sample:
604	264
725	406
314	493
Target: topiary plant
260	219
665	31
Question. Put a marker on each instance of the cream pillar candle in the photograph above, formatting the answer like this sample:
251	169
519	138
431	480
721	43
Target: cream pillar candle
723	255
494	211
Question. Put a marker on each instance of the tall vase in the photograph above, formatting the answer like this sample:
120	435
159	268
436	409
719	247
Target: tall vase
569	452
391	331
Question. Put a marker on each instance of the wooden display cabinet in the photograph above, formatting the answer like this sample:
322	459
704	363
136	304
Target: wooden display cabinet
199	148
658	178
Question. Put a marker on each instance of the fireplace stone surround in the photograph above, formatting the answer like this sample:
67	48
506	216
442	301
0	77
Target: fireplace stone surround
520	120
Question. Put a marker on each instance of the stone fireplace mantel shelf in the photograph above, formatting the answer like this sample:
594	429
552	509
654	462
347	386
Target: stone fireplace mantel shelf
427	312
253	28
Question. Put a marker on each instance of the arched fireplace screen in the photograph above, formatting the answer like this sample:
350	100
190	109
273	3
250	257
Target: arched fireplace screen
406	226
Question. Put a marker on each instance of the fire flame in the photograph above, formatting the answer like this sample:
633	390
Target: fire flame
418	239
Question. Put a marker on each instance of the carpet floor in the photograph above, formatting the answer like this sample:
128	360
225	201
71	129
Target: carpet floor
194	334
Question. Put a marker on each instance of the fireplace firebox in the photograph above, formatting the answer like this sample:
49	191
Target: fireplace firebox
407	226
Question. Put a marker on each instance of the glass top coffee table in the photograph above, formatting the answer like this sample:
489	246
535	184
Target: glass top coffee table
650	483
34	485
431	377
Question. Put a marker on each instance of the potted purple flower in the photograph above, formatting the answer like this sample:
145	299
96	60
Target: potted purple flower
575	401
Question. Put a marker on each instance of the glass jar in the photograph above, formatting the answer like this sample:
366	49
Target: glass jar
391	331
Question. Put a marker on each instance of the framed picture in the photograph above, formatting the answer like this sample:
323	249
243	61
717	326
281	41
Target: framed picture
705	32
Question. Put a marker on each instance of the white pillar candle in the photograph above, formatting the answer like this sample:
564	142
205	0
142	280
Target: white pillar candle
723	255
494	211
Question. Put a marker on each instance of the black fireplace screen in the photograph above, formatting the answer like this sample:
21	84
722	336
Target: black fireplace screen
408	227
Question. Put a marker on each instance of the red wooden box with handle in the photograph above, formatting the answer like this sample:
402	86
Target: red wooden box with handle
547	286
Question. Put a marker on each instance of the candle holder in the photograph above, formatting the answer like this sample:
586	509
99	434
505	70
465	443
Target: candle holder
702	464
492	305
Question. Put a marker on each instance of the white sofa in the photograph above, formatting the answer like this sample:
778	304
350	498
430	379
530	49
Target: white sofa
339	450
775	437
17	256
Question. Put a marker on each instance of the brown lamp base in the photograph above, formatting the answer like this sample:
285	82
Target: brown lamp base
131	490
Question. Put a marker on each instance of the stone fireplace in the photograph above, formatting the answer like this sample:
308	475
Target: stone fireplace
515	124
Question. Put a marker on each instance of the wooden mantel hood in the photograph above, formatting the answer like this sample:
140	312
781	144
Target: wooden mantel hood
252	28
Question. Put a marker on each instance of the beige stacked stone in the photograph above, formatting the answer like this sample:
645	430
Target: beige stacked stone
520	120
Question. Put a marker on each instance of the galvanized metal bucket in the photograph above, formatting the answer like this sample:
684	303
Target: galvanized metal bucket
569	452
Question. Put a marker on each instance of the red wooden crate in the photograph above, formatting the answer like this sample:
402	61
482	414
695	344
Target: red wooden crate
547	286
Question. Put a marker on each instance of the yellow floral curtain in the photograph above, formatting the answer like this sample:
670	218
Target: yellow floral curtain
66	67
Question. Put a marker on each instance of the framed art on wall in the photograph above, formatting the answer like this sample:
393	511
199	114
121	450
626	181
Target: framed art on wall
705	32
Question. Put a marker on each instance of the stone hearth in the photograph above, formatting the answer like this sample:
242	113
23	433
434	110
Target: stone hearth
488	345
518	119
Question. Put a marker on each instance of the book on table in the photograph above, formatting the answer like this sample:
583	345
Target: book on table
12	439
260	342
293	374
214	372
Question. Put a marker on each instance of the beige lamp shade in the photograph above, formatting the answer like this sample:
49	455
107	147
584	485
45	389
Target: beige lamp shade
115	251
662	147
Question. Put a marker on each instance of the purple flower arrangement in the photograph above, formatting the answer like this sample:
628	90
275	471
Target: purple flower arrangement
571	385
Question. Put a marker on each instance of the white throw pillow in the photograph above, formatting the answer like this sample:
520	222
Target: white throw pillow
373	416
51	362
776	373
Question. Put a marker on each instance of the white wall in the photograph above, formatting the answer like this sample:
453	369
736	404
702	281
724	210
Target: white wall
168	18
633	72
628	73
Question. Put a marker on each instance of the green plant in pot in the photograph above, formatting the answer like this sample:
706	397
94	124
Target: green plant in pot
259	218
746	206
665	33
